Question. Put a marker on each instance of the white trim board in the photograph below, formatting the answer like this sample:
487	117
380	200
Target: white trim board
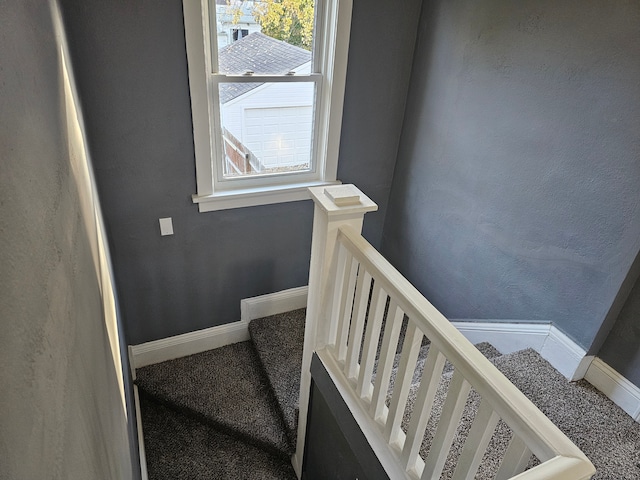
569	358
560	351
620	390
554	346
507	337
273	303
202	340
188	343
136	400
143	454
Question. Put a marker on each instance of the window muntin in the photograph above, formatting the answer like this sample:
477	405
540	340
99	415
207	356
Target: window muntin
239	33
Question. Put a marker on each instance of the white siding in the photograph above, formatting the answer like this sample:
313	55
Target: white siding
275	121
279	136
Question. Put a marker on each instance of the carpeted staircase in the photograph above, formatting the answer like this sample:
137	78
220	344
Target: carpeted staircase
231	413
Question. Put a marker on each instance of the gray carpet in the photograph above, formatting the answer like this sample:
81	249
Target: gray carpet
223	387
278	340
181	448
227	389
601	429
607	435
485	348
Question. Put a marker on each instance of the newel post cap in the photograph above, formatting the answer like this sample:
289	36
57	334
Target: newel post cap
342	200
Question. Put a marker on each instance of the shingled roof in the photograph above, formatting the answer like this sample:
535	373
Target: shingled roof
260	54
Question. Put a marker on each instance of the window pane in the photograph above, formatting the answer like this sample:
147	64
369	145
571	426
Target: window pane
267	128
268	37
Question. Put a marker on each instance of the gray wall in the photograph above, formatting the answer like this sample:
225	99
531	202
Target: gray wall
621	350
515	194
131	65
61	410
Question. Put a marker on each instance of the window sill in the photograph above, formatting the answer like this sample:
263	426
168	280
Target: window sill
252	197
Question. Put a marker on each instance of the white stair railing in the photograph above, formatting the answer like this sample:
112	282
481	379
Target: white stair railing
357	305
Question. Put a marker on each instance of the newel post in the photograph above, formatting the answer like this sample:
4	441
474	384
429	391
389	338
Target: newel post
335	206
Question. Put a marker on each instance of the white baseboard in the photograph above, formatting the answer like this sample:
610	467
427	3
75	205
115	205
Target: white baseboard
215	337
506	337
620	390
141	450
188	343
560	351
136	400
565	355
273	303
554	346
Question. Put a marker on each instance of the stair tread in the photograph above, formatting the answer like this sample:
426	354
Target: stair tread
179	447
223	387
488	350
583	413
279	340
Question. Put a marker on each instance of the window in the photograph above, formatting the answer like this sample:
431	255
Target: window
239	33
266	113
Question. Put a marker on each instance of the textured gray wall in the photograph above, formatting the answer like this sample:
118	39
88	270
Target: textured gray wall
515	194
383	37
61	413
621	350
131	65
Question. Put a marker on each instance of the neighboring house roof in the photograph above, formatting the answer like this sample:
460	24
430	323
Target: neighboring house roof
260	54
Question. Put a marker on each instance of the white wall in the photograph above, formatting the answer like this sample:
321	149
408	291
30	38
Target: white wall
226	25
62	406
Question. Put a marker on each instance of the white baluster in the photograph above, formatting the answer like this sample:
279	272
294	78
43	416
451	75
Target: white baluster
342	269
392	329
346	310
408	358
447	425
476	444
372	335
422	408
357	322
515	459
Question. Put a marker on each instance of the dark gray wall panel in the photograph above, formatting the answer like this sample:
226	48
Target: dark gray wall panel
621	350
132	71
335	447
621	298
516	194
380	56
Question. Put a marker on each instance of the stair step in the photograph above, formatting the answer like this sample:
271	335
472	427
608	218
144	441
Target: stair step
179	447
224	388
279	339
498	443
605	433
488	350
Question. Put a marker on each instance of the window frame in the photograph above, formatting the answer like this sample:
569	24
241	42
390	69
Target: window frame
329	66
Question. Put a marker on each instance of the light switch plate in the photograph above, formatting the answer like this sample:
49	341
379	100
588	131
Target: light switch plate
166	226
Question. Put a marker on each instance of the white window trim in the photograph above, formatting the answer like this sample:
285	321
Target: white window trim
334	20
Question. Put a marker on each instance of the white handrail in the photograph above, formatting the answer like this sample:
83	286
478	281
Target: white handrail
541	436
357	302
487	380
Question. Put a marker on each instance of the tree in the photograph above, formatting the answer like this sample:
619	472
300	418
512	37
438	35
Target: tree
287	20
